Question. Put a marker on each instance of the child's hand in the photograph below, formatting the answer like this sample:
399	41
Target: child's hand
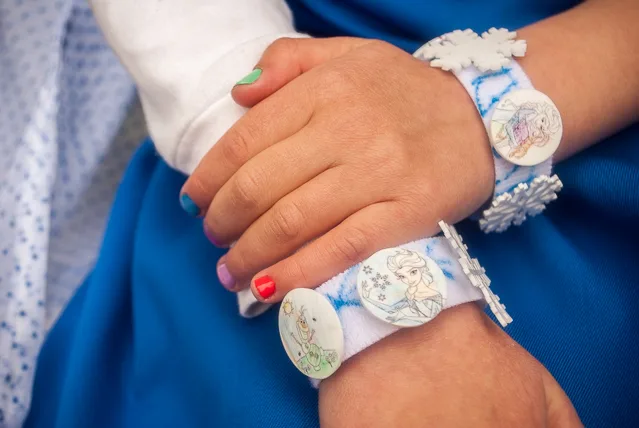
364	148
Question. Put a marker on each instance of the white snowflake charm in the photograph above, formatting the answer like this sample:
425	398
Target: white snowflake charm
522	202
476	273
459	49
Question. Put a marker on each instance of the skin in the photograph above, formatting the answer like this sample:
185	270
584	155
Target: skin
459	370
356	146
361	166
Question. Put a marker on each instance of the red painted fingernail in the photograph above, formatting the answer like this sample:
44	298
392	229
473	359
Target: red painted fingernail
265	286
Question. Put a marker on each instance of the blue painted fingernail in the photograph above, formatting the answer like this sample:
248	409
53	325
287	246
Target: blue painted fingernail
188	205
225	277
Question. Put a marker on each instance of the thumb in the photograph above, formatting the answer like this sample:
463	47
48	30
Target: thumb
560	411
284	60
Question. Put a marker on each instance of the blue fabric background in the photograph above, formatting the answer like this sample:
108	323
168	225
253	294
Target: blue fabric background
152	339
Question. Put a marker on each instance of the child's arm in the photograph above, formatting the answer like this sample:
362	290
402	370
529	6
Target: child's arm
185	56
586	60
345	111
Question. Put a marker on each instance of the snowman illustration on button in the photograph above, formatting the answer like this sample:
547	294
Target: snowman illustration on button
311	333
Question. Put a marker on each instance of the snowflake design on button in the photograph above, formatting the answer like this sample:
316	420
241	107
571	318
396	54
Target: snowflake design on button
525	200
459	49
476	273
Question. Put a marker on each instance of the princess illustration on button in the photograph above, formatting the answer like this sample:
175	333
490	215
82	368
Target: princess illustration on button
525	125
410	294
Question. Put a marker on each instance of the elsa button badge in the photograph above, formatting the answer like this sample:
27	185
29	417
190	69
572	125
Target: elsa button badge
525	128
402	287
311	333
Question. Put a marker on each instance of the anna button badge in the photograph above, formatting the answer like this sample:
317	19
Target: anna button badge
311	333
402	287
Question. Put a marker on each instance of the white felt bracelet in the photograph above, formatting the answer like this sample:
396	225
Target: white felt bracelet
524	184
361	328
320	329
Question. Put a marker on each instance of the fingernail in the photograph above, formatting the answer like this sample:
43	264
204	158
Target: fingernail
251	77
188	205
210	237
265	286
225	277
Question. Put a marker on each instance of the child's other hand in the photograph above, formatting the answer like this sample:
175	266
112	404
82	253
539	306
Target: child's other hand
351	144
459	370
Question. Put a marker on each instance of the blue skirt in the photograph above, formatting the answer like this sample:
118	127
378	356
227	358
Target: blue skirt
151	339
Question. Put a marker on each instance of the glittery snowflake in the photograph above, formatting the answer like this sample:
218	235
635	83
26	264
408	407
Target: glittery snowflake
460	49
367	270
476	273
381	297
522	202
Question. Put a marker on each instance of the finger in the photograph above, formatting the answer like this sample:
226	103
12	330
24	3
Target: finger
264	180
377	226
298	218
276	119
561	413
284	60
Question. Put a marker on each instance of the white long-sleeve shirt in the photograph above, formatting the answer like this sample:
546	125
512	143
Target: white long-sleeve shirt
185	56
65	138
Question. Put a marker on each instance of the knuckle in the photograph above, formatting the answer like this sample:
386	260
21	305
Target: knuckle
236	147
380	46
381	159
383	150
354	246
284	45
200	186
237	263
295	270
245	190
340	79
287	222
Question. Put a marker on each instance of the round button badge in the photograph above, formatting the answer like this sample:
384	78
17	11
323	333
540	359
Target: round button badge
311	333
402	287
525	128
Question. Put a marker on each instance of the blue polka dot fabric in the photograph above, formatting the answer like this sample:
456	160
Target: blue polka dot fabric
68	125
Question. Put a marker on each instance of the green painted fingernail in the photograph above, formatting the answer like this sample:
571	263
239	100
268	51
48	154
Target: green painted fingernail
251	77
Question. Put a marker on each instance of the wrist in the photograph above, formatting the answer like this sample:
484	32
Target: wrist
472	165
516	117
595	99
412	358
